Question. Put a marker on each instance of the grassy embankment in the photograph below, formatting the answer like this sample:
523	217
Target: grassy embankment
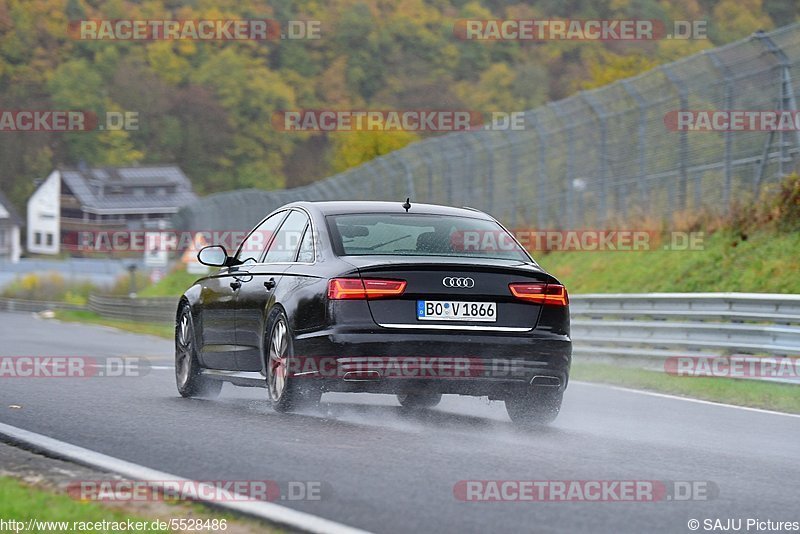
756	248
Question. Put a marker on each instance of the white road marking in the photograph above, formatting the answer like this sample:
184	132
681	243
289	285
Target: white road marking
687	399
274	513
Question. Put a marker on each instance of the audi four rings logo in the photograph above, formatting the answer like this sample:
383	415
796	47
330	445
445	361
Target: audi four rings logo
452	281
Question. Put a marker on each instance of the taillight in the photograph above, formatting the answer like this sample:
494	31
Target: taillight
367	288
540	293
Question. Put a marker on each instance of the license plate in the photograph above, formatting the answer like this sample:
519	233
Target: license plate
440	310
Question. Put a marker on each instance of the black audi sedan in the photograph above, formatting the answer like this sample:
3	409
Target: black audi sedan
415	300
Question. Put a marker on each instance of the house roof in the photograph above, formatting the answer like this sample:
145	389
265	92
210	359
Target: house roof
120	189
7	211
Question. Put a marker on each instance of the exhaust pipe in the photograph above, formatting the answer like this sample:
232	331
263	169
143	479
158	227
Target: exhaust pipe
545	381
361	376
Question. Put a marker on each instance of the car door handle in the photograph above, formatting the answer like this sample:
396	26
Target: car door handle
236	285
270	284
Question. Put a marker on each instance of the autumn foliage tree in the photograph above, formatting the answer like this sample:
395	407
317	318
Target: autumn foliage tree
207	106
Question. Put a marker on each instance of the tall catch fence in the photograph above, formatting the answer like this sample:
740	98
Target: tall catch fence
595	159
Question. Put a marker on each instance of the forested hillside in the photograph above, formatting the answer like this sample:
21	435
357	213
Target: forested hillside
207	106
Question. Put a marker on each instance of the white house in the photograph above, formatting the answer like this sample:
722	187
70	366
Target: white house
103	199
44	214
10	222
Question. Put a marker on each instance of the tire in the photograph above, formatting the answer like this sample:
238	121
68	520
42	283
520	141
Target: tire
535	407
285	393
419	401
190	382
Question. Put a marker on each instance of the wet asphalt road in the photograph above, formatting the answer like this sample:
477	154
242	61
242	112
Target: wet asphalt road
388	471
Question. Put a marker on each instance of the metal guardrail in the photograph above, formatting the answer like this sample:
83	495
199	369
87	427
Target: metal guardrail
650	325
640	329
32	306
660	325
153	310
135	309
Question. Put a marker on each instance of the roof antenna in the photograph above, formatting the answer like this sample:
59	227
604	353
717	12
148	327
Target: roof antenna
407	205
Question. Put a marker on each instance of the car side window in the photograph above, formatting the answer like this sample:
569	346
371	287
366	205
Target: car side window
254	244
306	252
284	246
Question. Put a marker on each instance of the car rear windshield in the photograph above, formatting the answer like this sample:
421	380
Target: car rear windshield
422	235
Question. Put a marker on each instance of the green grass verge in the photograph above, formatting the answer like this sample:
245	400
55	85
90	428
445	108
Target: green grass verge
752	393
172	285
21	502
154	329
765	263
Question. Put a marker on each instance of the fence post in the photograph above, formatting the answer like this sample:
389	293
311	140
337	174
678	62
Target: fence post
787	100
513	175
428	165
389	192
644	187
448	175
602	117
488	177
683	96
727	136
567	124
375	178
469	159
410	189
542	170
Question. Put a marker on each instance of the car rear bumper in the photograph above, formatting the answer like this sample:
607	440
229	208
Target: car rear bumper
495	364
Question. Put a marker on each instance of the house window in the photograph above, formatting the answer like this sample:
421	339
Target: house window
49	239
3	238
37	238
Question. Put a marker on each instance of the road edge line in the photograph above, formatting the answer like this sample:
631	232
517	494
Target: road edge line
274	513
687	399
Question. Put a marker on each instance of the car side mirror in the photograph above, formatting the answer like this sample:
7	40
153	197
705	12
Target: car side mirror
214	256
